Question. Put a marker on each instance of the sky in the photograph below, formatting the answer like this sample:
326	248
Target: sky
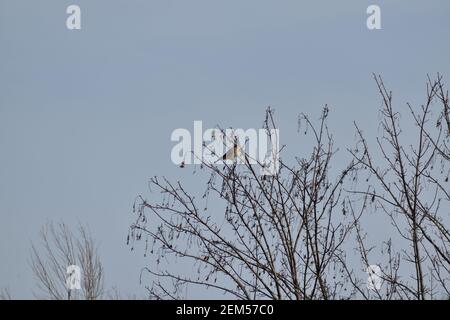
86	115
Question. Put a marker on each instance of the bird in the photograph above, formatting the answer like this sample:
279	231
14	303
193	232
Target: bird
233	153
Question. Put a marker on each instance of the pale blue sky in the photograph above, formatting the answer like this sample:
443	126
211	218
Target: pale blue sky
86	116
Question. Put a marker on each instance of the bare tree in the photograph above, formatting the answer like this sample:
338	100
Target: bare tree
278	237
440	141
293	235
60	248
409	185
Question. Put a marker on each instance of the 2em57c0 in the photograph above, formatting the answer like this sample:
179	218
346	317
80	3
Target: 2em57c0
263	309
